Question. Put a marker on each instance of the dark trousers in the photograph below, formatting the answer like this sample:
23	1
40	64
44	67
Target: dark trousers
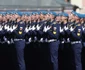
76	57
64	56
83	56
54	54
20	45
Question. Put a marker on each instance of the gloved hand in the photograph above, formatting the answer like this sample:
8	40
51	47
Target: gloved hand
83	28
61	29
30	39
8	42
12	41
71	29
46	28
33	27
5	39
26	29
38	27
30	28
66	28
11	30
41	40
14	27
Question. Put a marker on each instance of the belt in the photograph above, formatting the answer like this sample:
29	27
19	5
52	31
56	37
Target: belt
74	42
19	39
52	40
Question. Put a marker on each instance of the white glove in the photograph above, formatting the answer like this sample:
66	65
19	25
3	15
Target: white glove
5	39
71	29
30	39
29	28
26	30
8	29
5	27
83	28
61	30
0	29
11	29
41	40
14	27
8	42
48	27
33	28
12	41
45	29
38	27
66	28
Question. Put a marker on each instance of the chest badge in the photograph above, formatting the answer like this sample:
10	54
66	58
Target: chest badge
78	34
54	32
79	30
20	32
54	28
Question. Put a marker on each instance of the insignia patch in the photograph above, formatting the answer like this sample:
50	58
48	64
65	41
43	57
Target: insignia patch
21	22
20	32
21	27
54	32
79	30
54	28
78	34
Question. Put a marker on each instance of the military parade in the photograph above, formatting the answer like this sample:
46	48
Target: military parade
62	33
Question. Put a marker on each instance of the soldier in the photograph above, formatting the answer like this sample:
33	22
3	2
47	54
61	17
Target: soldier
76	43
53	41
19	41
83	40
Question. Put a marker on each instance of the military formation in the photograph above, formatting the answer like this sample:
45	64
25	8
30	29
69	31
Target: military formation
61	31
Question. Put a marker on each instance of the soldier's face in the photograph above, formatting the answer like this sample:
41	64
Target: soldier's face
37	16
29	18
76	17
82	20
59	18
64	18
18	19
51	16
7	16
33	17
72	16
48	16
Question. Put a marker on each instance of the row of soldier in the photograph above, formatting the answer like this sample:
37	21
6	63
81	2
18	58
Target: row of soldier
56	29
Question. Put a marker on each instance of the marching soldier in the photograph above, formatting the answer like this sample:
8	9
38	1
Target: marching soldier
19	41
76	43
53	41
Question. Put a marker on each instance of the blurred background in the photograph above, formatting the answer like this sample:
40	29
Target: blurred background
57	5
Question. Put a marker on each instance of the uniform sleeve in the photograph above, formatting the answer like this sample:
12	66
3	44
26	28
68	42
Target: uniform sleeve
83	32
67	32
53	34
